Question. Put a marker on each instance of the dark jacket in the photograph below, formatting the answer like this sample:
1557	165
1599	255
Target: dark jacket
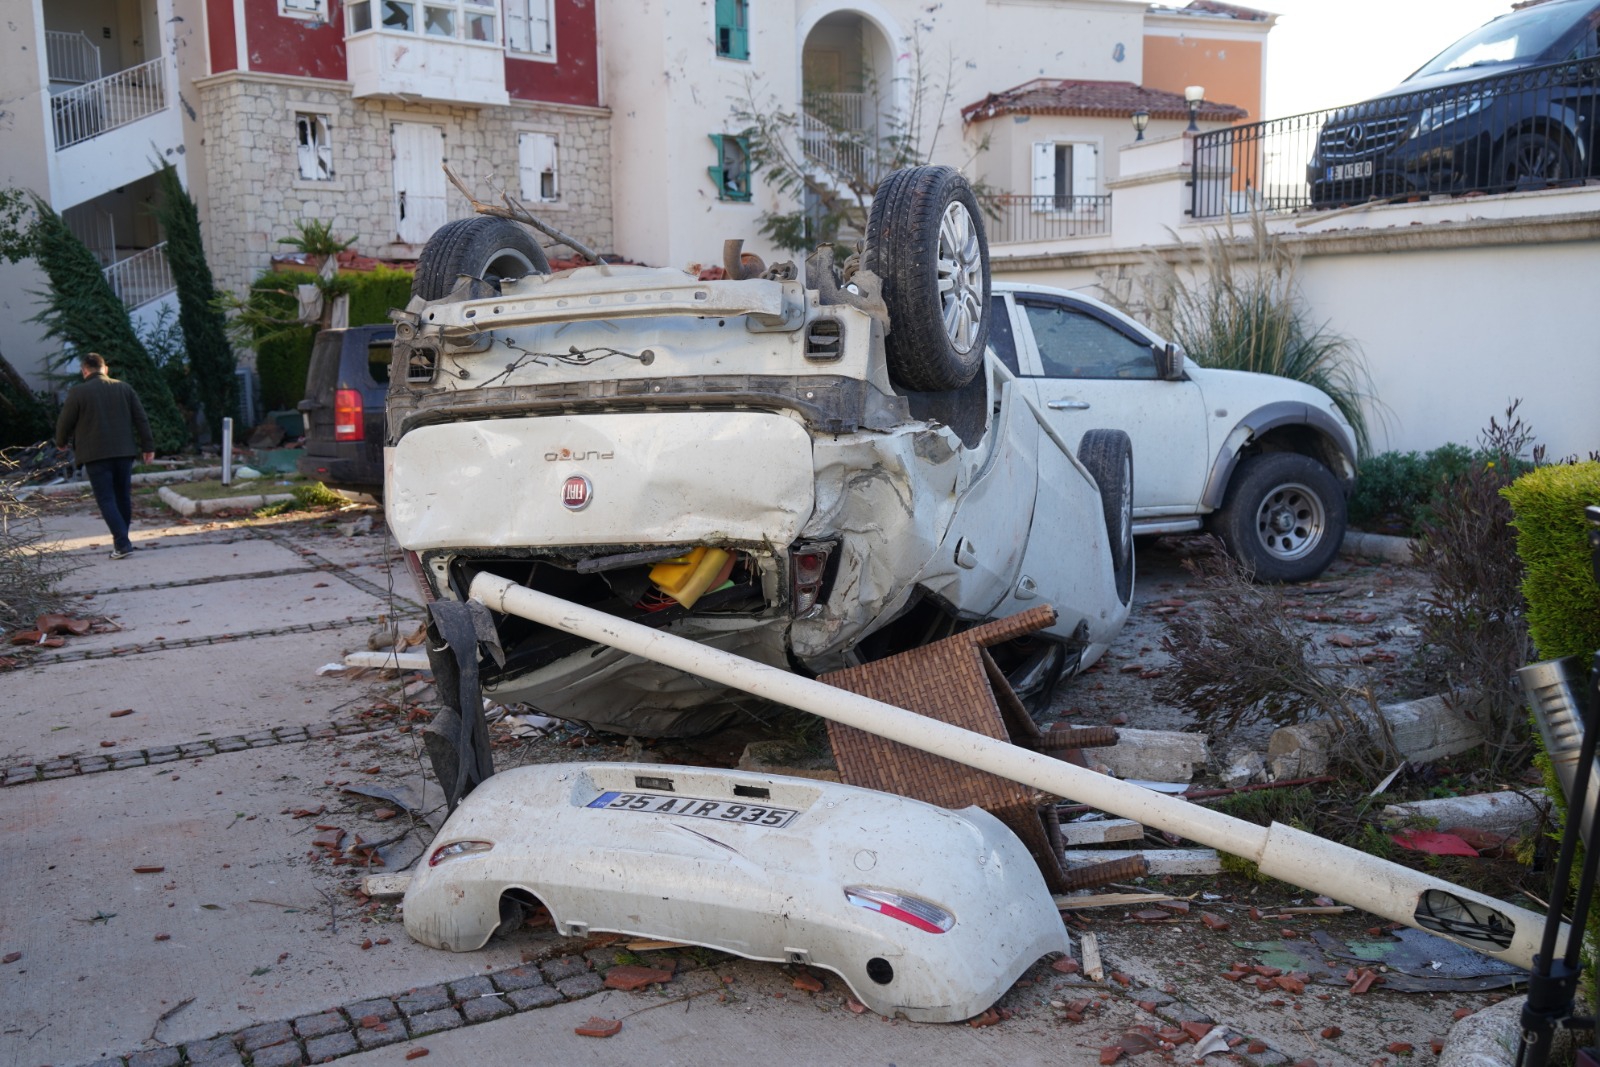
104	420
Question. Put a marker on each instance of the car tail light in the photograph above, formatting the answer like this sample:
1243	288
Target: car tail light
808	575
348	421
418	575
456	849
913	911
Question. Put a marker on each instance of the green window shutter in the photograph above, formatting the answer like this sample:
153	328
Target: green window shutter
733	31
731	172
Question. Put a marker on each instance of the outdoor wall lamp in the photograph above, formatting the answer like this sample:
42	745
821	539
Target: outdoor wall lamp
1194	94
1141	119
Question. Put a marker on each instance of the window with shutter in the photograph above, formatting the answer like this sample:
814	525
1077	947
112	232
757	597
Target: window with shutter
314	146
731	173
537	154
733	29
529	27
304	9
1063	172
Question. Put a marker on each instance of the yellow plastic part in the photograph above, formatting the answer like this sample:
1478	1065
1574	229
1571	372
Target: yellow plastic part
686	578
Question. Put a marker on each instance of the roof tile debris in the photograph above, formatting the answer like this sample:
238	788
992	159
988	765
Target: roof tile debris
1096	99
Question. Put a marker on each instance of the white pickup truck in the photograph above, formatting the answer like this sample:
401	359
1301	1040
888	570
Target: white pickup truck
810	472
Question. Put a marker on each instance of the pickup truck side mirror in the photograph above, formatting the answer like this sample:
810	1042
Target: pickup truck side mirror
1169	362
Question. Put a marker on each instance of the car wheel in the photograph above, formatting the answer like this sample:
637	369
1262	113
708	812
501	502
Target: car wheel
925	240
1535	158
1108	457
483	246
1283	516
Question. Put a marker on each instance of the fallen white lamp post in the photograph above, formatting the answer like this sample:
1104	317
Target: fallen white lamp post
1398	893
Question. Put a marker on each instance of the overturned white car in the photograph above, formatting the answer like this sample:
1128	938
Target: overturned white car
810	473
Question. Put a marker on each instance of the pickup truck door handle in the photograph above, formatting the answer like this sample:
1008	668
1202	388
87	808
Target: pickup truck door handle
1068	405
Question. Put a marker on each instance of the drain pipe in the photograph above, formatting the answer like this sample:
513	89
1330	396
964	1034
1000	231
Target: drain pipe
1375	885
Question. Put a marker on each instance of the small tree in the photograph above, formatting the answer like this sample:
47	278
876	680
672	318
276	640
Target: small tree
829	155
205	333
82	311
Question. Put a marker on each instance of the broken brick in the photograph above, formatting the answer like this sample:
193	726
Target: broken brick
1150	915
1331	1032
1179	906
988	1018
1400	1048
416	1054
1461	1013
807	982
1066	965
1256	1047
1121	979
11	957
629	978
598	1027
1268	972
1213	922
1364	981
1290	984
1110	1054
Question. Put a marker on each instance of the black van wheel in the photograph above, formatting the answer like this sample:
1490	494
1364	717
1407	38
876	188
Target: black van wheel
925	239
1108	456
496	250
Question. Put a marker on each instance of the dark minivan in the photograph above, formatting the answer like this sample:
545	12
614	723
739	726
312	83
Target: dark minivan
1512	105
345	389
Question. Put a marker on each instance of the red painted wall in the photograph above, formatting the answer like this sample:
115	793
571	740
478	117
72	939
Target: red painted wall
220	35
575	76
280	45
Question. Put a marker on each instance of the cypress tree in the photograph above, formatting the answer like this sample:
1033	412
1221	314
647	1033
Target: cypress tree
205	336
82	311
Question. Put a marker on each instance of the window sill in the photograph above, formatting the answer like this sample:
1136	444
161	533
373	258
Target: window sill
332	185
532	57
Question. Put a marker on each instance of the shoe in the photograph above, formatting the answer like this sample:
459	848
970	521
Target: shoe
121	553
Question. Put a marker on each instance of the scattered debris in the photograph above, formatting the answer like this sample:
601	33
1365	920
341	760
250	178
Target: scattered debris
1160	861
629	977
1100	831
120	714
1433	842
1160	755
1093	970
1243	767
1510	813
599	1027
1299	750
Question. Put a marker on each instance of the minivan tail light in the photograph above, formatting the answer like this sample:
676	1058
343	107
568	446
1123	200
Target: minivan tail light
808	577
924	915
348	421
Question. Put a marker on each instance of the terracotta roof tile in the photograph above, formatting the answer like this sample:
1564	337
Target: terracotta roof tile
1050	96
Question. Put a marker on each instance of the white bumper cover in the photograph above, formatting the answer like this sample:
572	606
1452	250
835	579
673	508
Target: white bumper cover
766	892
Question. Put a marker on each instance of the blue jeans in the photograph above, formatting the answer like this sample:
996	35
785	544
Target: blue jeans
112	482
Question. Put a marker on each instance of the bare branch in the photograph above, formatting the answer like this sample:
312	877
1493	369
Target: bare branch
516	212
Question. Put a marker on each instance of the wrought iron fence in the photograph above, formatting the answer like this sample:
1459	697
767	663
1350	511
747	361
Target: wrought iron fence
142	277
71	57
1016	218
115	100
1528	129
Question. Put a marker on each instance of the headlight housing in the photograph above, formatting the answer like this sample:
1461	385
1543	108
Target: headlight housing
1446	112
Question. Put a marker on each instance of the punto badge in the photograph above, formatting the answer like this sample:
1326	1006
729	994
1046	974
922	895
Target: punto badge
576	493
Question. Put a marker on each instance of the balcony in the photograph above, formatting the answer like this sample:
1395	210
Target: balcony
448	51
1021	219
108	103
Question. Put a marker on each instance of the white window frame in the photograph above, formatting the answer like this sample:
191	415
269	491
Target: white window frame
1049	193
314	10
330	116
529	143
461	9
318	152
528	7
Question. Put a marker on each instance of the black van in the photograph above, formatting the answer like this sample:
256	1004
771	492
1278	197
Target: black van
345	389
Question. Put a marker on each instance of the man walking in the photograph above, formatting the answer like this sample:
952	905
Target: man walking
107	427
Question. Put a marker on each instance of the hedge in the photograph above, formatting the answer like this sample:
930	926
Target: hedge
1552	539
283	357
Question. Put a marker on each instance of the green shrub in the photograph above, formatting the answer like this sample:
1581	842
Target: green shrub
374	293
1552	540
281	363
1394	490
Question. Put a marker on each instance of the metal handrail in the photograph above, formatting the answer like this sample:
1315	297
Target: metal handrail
839	132
1524	130
71	57
1012	218
115	100
142	277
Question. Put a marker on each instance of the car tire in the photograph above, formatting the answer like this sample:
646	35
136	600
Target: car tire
925	240
1535	158
1283	516
483	246
1108	456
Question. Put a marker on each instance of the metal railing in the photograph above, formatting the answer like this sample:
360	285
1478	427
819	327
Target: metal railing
1017	219
840	132
113	101
142	277
1525	130
71	57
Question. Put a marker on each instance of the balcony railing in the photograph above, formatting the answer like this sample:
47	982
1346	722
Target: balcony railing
142	277
840	133
71	57
107	103
1019	219
1525	130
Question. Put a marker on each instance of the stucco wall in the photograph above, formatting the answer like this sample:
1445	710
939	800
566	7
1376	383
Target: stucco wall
256	194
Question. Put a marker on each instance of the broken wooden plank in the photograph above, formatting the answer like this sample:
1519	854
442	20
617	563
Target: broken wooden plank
1092	967
394	661
386	885
1100	831
1070	902
1160	860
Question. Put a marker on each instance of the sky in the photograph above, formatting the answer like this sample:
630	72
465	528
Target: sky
1323	53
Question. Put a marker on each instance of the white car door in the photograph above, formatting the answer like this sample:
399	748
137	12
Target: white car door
1087	370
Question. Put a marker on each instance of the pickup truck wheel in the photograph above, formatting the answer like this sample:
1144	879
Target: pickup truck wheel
483	246
1108	456
1283	516
925	240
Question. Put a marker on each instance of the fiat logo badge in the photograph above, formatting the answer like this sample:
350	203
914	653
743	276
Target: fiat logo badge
576	492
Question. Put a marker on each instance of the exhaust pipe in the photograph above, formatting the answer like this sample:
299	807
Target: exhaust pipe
1398	893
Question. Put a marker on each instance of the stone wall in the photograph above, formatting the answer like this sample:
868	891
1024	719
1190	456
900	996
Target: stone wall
256	195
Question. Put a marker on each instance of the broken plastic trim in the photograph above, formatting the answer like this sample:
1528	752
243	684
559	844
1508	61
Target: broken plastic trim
458	848
913	911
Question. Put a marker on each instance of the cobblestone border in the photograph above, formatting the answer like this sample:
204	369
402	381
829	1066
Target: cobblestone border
383	593
74	766
164	645
415	1013
213	579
